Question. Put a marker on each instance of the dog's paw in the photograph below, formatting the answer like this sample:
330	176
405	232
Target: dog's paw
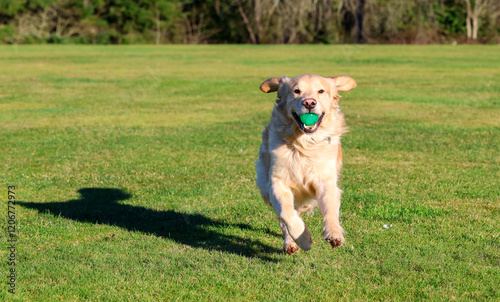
290	248
304	240
335	241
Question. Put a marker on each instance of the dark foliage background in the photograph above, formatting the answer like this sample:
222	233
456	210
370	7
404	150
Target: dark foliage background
249	21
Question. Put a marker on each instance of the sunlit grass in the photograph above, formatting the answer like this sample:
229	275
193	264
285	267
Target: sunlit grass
134	172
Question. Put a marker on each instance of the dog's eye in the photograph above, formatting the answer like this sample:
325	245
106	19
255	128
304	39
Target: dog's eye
297	91
321	91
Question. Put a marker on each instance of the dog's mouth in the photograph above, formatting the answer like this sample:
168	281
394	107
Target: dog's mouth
308	129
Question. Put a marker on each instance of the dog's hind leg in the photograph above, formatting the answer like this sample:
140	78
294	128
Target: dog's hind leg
289	246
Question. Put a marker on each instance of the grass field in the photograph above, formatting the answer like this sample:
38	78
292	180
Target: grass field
133	169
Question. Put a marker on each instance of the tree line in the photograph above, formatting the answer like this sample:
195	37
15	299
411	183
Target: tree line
249	21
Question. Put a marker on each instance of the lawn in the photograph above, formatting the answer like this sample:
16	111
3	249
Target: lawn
134	177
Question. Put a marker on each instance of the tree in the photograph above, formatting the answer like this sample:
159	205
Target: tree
474	14
256	15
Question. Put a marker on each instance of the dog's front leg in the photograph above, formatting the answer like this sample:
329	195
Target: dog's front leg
282	202
329	204
289	246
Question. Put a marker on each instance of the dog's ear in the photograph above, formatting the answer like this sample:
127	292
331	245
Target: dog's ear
270	85
273	84
344	83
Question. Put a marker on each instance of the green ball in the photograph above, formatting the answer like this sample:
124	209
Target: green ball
309	119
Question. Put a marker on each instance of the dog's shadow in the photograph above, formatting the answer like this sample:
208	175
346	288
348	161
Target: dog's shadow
101	206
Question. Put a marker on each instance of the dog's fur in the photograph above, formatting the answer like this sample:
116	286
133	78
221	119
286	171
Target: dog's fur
298	166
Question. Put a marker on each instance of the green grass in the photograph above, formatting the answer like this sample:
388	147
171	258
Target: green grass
134	174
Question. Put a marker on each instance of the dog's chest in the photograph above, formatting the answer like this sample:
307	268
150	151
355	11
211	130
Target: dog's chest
306	166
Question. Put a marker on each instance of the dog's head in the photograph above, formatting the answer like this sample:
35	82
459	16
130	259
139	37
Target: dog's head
307	93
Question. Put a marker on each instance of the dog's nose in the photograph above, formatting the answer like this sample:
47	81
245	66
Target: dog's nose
309	103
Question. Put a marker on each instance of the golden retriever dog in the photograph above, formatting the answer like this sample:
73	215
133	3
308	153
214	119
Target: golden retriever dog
300	161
